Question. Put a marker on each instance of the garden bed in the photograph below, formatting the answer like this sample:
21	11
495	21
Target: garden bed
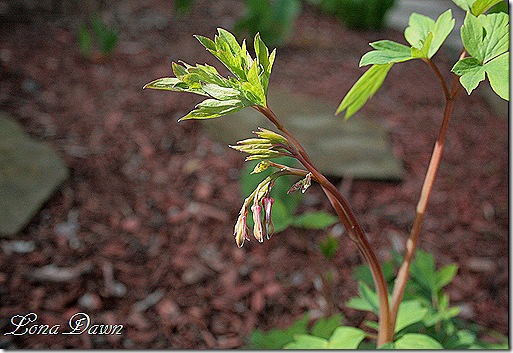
141	233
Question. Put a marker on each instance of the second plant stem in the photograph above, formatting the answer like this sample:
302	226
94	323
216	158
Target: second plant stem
427	187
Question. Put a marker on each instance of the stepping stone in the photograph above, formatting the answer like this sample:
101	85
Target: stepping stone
357	148
30	172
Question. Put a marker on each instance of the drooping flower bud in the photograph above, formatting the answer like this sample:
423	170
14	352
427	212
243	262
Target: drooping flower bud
258	231
267	202
241	230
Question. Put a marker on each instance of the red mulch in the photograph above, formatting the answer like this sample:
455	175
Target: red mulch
140	234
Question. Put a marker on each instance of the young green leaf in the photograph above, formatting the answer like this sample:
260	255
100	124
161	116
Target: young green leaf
486	39
445	275
417	341
213	108
487	36
386	52
346	337
479	7
253	86
410	312
363	89
464	4
303	341
367	299
325	326
423	270
173	84
471	73
427	35
497	71
418	28
219	92
276	338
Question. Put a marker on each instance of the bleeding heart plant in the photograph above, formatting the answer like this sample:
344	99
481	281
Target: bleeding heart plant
485	37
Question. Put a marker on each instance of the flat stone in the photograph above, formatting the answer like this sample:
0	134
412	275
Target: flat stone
357	148
30	173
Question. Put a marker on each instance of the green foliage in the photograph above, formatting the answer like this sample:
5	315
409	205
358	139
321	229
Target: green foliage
486	39
329	246
425	37
95	32
285	203
363	89
273	19
225	95
183	7
425	319
417	341
344	337
477	7
279	338
359	14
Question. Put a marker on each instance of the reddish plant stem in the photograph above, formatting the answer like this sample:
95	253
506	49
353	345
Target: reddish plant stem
429	179
353	228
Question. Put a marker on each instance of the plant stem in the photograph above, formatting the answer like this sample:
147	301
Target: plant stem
353	228
411	244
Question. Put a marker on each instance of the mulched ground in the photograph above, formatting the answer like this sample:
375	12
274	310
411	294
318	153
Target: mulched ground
140	234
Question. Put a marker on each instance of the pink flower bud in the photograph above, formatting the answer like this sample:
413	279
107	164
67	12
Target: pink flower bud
269	226
257	218
241	230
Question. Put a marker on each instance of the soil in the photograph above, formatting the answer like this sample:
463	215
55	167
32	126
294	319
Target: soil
141	233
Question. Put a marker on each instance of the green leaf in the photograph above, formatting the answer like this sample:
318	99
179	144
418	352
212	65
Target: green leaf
213	108
464	4
423	52
367	300
314	220
497	71
219	92
206	42
471	73
325	326
363	89
423	270
386	52
487	36
445	275
481	6
276	338
179	70
443	27
426	35
84	41
346	337
388	345
418	28
254	86
303	341
329	246
410	312
417	341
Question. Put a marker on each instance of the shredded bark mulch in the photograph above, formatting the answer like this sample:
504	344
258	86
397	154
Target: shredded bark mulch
141	233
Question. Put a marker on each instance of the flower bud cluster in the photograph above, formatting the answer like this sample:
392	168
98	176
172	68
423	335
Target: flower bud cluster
268	145
261	211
